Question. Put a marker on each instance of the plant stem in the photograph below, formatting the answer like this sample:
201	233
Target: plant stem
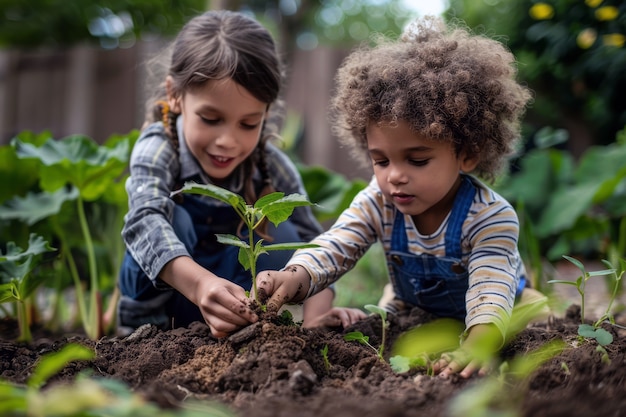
92	325
23	321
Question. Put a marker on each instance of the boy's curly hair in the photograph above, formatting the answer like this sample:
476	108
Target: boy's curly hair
447	84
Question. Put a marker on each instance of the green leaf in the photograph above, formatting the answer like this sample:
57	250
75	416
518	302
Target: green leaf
603	337
36	206
587	330
267	199
399	364
52	363
231	240
565	207
77	160
219	193
377	310
358	336
289	246
280	210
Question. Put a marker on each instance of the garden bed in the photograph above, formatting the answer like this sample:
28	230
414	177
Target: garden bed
277	370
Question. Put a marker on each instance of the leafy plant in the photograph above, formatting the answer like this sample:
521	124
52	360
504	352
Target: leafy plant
363	339
275	207
17	283
81	163
593	331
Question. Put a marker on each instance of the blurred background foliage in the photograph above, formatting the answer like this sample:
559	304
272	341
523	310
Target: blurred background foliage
118	23
570	52
568	181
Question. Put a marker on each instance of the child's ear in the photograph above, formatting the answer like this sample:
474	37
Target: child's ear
468	162
172	100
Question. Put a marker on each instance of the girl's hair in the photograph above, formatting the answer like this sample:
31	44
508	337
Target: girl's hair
447	84
219	45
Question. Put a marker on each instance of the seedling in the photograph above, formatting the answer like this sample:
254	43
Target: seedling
361	338
593	331
324	352
276	207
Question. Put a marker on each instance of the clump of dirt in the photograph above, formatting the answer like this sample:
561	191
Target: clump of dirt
276	369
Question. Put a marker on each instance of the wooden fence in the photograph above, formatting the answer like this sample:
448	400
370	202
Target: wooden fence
95	92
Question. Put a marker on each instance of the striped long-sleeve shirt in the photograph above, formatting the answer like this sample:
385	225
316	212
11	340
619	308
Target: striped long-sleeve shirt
488	243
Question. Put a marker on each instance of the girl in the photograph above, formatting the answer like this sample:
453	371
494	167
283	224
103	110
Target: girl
211	124
426	112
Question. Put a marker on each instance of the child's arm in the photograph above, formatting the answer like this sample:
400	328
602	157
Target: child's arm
474	355
223	304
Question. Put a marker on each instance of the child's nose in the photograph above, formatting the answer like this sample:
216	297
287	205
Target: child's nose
227	137
396	176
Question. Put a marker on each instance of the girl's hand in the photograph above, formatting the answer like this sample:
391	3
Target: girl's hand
335	317
224	306
287	286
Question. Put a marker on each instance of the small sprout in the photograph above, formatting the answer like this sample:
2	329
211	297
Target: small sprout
594	331
605	355
324	352
361	338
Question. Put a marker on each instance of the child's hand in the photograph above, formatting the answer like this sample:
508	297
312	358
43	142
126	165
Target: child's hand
224	306
461	362
289	285
474	356
335	317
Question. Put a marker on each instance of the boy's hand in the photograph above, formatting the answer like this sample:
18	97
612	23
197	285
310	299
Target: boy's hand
286	286
335	317
474	356
461	362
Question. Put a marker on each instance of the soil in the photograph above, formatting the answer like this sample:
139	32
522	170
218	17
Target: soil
273	369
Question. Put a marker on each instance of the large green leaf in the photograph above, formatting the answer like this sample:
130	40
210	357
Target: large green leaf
77	160
565	207
36	206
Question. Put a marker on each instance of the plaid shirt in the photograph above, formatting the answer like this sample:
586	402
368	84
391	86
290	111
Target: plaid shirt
156	169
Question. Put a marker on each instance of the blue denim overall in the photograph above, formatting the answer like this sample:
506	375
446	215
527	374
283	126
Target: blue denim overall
195	224
435	284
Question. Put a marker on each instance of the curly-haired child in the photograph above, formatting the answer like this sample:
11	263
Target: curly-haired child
431	112
209	122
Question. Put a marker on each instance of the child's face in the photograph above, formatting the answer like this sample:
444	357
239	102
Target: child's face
420	176
221	123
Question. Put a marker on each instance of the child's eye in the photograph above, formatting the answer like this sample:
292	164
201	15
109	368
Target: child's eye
249	126
418	162
209	121
381	162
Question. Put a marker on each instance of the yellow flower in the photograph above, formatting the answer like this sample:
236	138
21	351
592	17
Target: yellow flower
614	39
541	11
607	13
586	38
593	3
